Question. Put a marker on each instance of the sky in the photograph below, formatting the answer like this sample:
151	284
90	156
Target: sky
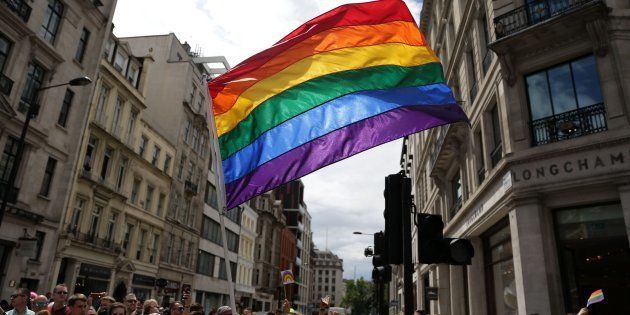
341	198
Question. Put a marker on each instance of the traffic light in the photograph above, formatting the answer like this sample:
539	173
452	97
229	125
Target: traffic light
434	248
397	202
382	271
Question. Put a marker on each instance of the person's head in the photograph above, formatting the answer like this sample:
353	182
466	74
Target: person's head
196	313
247	311
117	309
91	311
60	294
150	306
224	310
43	312
20	297
131	302
78	304
106	301
176	308
40	302
196	307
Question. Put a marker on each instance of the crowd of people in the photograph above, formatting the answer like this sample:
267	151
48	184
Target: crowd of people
59	302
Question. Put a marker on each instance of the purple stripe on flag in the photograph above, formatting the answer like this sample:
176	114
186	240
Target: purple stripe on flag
338	145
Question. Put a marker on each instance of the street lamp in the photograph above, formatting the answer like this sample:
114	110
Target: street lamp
33	109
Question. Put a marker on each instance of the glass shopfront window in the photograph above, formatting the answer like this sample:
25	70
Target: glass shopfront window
501	288
594	254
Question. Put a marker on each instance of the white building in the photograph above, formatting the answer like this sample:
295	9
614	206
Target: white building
245	289
328	277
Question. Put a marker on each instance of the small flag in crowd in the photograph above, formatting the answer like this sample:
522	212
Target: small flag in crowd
287	277
595	297
346	81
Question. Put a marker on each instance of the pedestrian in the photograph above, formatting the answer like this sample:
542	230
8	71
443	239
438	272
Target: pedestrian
43	312
176	308
40	302
78	304
131	303
196	307
247	311
19	301
106	301
150	306
117	309
91	311
224	310
60	297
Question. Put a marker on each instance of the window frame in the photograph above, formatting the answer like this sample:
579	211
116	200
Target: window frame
82	46
55	9
49	176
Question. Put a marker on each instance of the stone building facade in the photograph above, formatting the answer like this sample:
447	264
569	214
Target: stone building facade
540	182
43	43
327	277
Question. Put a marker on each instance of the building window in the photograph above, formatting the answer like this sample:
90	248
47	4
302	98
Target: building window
65	108
180	168
34	79
167	163
127	239
149	198
131	123
497	152
5	46
85	36
48	176
52	19
41	237
111	226
75	223
134	190
143	234
187	130
8	159
120	61
156	155
117	113
501	290
143	145
88	160
456	193
107	158
472	77
223	273
121	173
232	241
160	209
132	74
101	104
205	263
211	230
97	210
481	168
565	101
211	195
154	248
593	250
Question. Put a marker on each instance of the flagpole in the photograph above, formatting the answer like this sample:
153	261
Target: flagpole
221	199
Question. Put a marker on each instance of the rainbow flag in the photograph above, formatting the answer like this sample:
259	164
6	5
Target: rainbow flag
287	277
595	297
348	80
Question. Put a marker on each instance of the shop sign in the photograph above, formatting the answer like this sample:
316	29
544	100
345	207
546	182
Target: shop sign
95	271
171	287
143	280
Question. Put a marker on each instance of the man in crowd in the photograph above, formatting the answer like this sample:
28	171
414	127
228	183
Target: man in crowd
106	301
177	308
131	304
19	299
39	303
60	296
78	304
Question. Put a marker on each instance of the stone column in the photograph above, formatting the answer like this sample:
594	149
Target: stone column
456	279
443	283
476	280
532	287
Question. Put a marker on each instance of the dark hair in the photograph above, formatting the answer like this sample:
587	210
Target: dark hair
196	313
196	307
24	291
172	305
115	306
76	297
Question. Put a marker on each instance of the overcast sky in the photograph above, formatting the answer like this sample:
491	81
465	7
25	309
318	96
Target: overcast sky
342	198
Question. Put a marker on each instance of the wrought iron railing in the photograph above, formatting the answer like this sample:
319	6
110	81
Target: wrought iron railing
92	239
532	13
572	124
496	154
20	8
6	84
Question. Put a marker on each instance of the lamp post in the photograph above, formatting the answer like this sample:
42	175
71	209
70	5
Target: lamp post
33	109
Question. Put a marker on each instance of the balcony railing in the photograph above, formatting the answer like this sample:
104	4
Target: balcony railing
572	124
20	8
6	84
92	239
190	187
496	154
532	13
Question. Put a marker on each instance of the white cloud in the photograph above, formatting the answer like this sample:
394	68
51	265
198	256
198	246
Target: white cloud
342	198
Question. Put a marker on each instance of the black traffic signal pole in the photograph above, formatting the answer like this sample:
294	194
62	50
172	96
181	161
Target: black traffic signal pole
406	230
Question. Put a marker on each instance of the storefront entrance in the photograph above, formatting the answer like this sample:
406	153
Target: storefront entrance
594	254
92	278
